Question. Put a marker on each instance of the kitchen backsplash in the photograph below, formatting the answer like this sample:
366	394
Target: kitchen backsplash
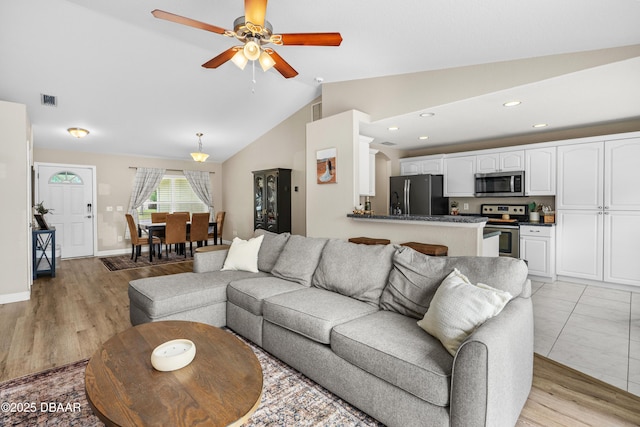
474	203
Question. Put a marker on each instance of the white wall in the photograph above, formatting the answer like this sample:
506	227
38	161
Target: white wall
15	216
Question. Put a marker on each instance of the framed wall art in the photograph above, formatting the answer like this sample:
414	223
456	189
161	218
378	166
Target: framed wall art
326	166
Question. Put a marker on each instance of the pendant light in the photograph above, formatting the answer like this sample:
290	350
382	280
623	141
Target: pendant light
199	156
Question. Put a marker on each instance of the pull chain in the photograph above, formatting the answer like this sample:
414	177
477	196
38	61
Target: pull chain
253	80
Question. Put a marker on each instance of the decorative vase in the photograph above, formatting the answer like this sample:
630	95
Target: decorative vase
534	216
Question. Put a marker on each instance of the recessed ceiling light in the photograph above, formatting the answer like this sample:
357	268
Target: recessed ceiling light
393	128
423	137
427	114
511	103
540	125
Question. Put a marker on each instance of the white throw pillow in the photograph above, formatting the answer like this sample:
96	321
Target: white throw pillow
459	307
243	255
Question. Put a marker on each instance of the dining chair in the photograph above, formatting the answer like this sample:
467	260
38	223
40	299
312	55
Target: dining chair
137	241
199	231
219	223
176	233
188	214
158	217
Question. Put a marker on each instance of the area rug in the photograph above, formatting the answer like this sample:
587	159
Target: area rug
56	397
124	262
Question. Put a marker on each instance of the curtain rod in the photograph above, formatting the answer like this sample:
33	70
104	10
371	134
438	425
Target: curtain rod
167	170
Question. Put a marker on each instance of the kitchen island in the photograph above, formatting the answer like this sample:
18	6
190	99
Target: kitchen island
463	235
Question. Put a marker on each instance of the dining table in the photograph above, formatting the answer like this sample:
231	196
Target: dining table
158	227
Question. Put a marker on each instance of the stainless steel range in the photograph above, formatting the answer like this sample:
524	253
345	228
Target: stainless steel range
506	219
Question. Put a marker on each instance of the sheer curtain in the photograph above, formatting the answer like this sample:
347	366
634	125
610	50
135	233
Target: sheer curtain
201	185
145	182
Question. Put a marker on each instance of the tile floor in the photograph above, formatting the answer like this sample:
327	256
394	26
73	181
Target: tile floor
592	329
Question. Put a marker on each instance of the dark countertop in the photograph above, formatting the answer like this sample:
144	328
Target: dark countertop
434	218
538	224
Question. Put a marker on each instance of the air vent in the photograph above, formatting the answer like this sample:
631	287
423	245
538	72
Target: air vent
316	111
388	143
49	100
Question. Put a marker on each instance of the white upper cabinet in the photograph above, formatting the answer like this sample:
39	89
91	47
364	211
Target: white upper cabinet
366	167
540	172
500	162
580	176
459	176
422	165
622	174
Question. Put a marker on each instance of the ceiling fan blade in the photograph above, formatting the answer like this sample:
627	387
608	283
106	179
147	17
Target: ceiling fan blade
312	39
255	11
161	14
222	58
281	65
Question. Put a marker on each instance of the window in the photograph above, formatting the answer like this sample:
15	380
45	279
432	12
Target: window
174	194
65	177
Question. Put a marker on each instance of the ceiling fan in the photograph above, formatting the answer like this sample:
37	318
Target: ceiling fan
255	32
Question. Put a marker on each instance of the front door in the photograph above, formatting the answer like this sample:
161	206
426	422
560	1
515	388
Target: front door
68	191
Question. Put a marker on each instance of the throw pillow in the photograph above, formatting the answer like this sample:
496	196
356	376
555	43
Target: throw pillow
243	255
299	259
270	249
459	307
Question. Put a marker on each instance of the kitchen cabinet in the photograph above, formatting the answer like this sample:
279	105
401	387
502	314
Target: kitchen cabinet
537	247
422	165
459	176
581	176
540	171
272	200
500	162
366	167
598	211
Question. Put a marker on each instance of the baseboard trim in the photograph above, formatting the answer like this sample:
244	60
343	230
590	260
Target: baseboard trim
17	297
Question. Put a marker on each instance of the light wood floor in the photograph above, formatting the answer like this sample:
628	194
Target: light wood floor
69	316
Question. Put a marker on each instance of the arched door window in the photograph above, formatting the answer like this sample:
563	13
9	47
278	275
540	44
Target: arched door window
65	177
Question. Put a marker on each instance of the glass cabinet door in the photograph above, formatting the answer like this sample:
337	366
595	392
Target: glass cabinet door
272	200
258	190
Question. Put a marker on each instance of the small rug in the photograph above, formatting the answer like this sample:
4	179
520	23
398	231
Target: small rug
56	397
124	262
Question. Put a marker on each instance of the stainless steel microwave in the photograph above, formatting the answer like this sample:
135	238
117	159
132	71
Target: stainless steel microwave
500	184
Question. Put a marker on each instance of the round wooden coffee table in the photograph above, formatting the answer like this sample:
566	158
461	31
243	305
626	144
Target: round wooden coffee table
222	385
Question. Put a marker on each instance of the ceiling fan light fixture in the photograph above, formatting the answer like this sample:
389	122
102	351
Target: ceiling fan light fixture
266	61
239	59
78	132
251	50
199	156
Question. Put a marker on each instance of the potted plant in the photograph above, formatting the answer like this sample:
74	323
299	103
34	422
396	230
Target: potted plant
454	208
40	209
534	212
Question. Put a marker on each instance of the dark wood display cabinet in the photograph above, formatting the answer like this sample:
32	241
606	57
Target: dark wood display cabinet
272	200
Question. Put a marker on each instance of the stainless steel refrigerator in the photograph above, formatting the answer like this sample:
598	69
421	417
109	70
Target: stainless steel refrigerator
417	195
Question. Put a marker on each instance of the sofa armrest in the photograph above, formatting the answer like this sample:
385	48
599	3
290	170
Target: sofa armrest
210	259
493	369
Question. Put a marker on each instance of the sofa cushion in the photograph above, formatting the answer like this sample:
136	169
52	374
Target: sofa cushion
243	255
392	347
313	312
459	307
270	249
249	294
415	277
164	295
299	259
357	271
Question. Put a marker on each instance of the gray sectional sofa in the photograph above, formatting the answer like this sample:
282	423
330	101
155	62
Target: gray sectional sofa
345	315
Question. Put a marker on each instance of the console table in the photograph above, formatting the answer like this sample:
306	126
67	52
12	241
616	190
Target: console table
44	252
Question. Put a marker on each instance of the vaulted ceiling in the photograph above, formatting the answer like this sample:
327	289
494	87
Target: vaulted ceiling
137	84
